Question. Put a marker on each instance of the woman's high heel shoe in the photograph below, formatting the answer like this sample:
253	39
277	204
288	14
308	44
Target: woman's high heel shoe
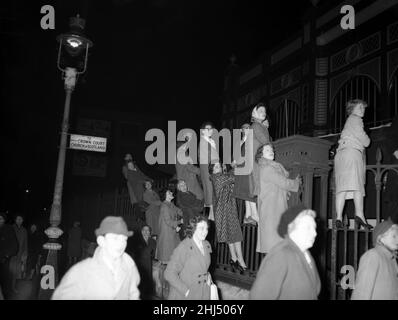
233	264
240	267
362	223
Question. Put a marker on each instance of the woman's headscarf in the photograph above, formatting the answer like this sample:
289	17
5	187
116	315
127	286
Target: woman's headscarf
255	113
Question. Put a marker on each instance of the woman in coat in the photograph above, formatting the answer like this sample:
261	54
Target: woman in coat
350	164
153	210
189	172
187	271
242	186
207	154
169	226
135	179
18	262
228	228
260	137
377	276
272	199
189	204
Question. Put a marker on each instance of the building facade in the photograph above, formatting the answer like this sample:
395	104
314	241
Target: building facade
306	81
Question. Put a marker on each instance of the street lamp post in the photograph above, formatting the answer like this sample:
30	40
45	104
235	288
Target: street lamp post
75	44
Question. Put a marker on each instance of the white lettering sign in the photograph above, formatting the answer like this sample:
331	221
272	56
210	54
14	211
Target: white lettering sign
87	143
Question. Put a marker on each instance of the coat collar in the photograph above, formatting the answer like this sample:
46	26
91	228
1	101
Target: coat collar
265	162
204	259
310	270
385	251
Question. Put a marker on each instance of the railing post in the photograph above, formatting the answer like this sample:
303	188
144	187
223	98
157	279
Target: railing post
333	251
323	214
378	183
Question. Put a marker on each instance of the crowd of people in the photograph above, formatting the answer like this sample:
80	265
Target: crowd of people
181	227
205	211
22	253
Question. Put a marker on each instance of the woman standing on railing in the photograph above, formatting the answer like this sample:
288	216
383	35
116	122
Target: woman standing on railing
274	186
187	171
259	125
153	210
243	187
226	215
207	154
187	271
134	178
350	164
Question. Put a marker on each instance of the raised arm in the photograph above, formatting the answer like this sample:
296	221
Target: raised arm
360	133
149	198
193	169
271	175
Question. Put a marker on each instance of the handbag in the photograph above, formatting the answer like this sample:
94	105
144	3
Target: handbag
214	292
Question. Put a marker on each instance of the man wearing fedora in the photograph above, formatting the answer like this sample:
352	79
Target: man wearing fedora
288	272
110	274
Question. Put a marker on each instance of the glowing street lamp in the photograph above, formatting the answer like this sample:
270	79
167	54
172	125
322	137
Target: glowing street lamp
72	61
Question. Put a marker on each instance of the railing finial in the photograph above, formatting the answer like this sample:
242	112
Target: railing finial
379	155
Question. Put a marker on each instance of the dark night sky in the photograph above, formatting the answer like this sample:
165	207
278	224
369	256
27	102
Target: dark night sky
166	57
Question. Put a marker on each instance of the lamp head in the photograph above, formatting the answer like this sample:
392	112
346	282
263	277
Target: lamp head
76	44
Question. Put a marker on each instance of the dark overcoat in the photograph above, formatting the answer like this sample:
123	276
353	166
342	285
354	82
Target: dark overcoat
285	274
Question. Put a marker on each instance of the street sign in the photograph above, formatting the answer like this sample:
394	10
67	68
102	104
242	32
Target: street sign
87	143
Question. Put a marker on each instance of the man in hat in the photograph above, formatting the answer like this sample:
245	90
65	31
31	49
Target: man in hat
377	276
110	274
288	272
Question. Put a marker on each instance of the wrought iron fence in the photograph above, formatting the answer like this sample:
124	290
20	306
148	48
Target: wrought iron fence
347	246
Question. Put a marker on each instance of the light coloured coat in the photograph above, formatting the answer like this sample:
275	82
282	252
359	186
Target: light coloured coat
272	201
377	276
92	279
188	270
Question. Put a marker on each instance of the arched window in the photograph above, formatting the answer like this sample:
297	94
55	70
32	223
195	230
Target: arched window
359	87
393	96
287	119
